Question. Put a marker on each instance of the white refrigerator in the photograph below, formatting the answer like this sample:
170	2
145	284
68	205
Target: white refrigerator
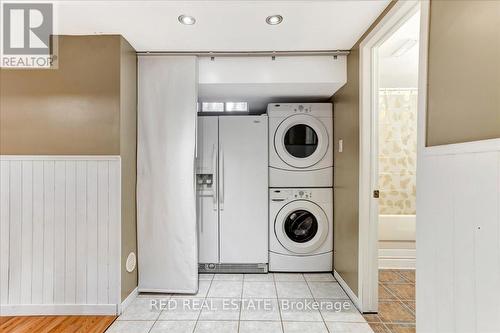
232	193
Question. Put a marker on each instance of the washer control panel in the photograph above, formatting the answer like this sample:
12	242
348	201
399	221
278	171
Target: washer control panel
290	194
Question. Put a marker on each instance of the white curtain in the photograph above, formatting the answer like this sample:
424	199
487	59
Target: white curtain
167	239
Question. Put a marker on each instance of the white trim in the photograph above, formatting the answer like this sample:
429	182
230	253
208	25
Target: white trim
59	157
368	175
348	290
397	258
57	309
480	146
127	301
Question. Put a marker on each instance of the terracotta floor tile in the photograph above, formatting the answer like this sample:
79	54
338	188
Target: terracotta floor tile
408	275
395	312
404	292
379	328
410	304
372	318
384	294
402	328
390	276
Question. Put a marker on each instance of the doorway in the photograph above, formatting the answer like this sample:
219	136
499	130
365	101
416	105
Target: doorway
389	98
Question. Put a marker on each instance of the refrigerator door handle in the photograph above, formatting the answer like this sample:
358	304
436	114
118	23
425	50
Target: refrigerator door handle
221	174
214	172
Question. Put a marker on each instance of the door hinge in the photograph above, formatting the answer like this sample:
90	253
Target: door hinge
376	194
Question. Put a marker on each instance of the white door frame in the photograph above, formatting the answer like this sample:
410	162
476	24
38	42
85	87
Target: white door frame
368	144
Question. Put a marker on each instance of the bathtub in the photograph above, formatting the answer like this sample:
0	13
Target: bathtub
397	241
396	228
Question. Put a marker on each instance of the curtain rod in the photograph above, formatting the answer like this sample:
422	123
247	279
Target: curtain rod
245	53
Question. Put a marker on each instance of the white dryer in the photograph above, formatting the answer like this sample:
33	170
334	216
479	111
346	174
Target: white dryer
301	230
300	145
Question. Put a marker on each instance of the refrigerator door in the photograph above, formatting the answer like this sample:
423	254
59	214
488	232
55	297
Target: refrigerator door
243	189
206	190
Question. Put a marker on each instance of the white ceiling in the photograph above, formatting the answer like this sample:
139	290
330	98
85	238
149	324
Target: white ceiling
400	71
225	25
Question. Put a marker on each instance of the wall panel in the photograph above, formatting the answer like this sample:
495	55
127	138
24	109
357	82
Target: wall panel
60	230
458	239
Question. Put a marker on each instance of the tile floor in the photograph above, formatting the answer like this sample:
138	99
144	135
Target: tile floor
227	303
396	293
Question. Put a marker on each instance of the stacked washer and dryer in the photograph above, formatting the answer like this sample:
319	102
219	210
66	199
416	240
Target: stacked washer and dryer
300	193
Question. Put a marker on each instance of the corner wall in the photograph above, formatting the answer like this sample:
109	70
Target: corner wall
346	169
82	112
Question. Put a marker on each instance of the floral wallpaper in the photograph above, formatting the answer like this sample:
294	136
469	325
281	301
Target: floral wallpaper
397	151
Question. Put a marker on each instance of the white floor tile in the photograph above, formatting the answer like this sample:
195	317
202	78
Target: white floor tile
205	277
349	327
173	327
141	309
221	309
260	326
260	309
228	277
288	277
327	290
305	327
229	289
293	290
216	326
130	327
326	277
299	310
340	311
203	287
182	309
269	277
259	290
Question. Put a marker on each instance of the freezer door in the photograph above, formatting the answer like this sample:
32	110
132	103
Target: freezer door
206	190
243	189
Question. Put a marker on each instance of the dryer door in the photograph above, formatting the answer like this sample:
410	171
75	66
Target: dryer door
301	227
301	141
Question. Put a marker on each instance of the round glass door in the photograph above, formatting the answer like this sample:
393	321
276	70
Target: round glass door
301	141
301	226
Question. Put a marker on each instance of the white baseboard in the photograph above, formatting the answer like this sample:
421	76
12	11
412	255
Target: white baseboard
348	290
397	258
127	301
57	309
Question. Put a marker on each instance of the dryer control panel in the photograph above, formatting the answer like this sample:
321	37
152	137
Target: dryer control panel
313	109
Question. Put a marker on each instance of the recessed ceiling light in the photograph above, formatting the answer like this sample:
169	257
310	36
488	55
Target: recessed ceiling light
187	20
274	19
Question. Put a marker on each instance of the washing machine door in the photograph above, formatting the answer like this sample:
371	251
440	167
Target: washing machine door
301	227
301	141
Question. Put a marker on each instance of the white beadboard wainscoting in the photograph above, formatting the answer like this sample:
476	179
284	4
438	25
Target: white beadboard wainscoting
60	234
458	238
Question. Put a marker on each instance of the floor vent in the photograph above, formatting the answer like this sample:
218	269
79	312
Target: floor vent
232	268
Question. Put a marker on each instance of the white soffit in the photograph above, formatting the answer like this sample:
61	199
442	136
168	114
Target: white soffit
230	25
261	80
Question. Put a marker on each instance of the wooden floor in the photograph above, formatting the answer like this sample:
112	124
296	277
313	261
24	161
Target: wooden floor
55	324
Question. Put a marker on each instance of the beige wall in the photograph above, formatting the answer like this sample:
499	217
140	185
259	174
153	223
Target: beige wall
464	72
72	110
87	106
128	152
346	172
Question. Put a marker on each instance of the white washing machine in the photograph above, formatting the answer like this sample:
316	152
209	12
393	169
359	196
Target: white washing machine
300	145
301	229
